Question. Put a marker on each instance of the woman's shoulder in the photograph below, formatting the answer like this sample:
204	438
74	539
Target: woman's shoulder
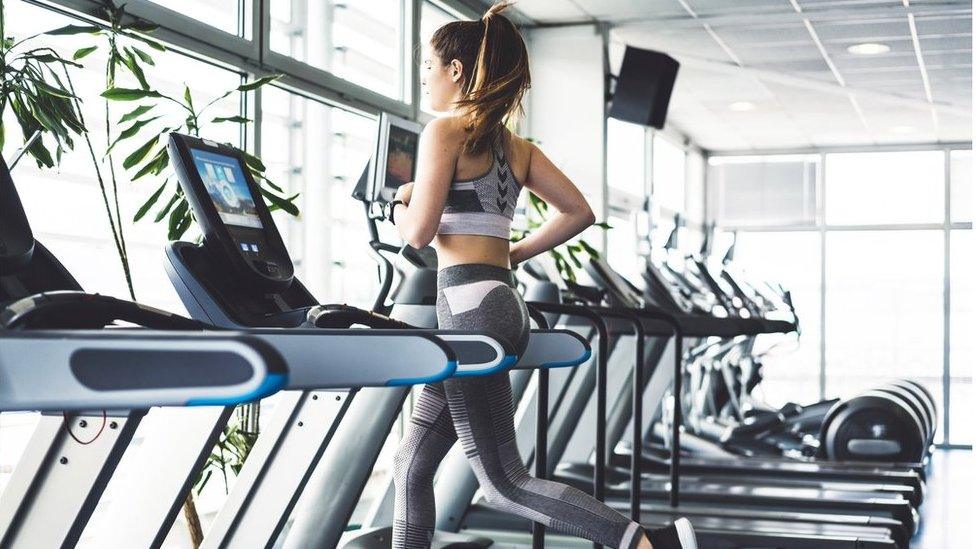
519	144
447	128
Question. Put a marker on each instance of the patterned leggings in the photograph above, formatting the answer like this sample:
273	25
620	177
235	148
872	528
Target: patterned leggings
479	412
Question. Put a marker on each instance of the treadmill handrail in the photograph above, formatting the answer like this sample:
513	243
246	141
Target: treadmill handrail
62	370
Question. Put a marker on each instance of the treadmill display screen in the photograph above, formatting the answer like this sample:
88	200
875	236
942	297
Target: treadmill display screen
401	157
223	176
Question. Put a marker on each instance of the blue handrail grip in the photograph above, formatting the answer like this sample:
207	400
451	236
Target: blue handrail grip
566	363
504	364
447	372
271	384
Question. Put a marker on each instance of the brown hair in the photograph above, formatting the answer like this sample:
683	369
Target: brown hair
495	72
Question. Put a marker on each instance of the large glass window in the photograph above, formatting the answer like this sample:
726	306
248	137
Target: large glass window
432	17
319	152
764	191
961	186
791	367
625	157
885	284
226	15
962	348
358	40
890	187
884	309
668	172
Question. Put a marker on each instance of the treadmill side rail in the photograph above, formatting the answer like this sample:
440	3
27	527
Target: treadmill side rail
126	369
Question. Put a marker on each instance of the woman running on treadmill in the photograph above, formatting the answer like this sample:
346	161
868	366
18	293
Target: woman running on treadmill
469	175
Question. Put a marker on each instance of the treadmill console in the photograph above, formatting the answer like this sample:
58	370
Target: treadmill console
228	205
395	160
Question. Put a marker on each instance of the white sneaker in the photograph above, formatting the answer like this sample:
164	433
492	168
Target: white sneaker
686	534
679	535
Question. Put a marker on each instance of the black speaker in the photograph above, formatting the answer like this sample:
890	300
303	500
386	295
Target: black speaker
644	87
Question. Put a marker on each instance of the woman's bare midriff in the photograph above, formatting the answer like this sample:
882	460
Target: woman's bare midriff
461	249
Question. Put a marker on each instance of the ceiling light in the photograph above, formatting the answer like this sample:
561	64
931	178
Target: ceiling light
869	48
742	106
902	130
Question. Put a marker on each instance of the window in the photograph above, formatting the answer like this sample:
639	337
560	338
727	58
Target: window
432	17
358	40
884	309
623	251
65	205
962	319
890	187
668	171
625	157
226	15
961	186
764	191
791	369
319	152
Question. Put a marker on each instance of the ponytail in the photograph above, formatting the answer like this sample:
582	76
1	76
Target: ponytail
495	75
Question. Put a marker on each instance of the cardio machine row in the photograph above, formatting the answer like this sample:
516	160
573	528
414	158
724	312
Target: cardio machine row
253	333
264	297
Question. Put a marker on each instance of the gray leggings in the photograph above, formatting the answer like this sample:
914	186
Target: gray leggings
479	411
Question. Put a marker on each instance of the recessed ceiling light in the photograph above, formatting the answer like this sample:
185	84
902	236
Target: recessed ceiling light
902	130
869	48
742	106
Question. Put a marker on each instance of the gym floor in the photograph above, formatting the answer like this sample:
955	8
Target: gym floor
947	514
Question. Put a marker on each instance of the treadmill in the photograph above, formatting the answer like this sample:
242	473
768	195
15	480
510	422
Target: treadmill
665	289
94	385
242	277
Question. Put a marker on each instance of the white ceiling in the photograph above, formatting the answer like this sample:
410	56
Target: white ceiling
789	59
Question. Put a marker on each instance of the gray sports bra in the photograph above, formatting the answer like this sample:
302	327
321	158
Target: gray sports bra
484	205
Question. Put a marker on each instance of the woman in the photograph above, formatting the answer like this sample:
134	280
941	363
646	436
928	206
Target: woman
470	172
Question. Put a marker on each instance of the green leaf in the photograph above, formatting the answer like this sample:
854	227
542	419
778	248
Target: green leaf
128	94
83	52
237	119
177	233
255	84
149	42
176	216
130	131
74	29
133	65
141	25
51	90
41	154
149	202
146	58
267	182
254	162
589	249
169	206
603	225
572	256
278	202
187	96
155	165
139	154
135	113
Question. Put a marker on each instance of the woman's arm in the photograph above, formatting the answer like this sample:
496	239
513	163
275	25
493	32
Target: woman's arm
573	214
420	215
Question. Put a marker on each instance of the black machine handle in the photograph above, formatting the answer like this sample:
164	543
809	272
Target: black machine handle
344	316
80	310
